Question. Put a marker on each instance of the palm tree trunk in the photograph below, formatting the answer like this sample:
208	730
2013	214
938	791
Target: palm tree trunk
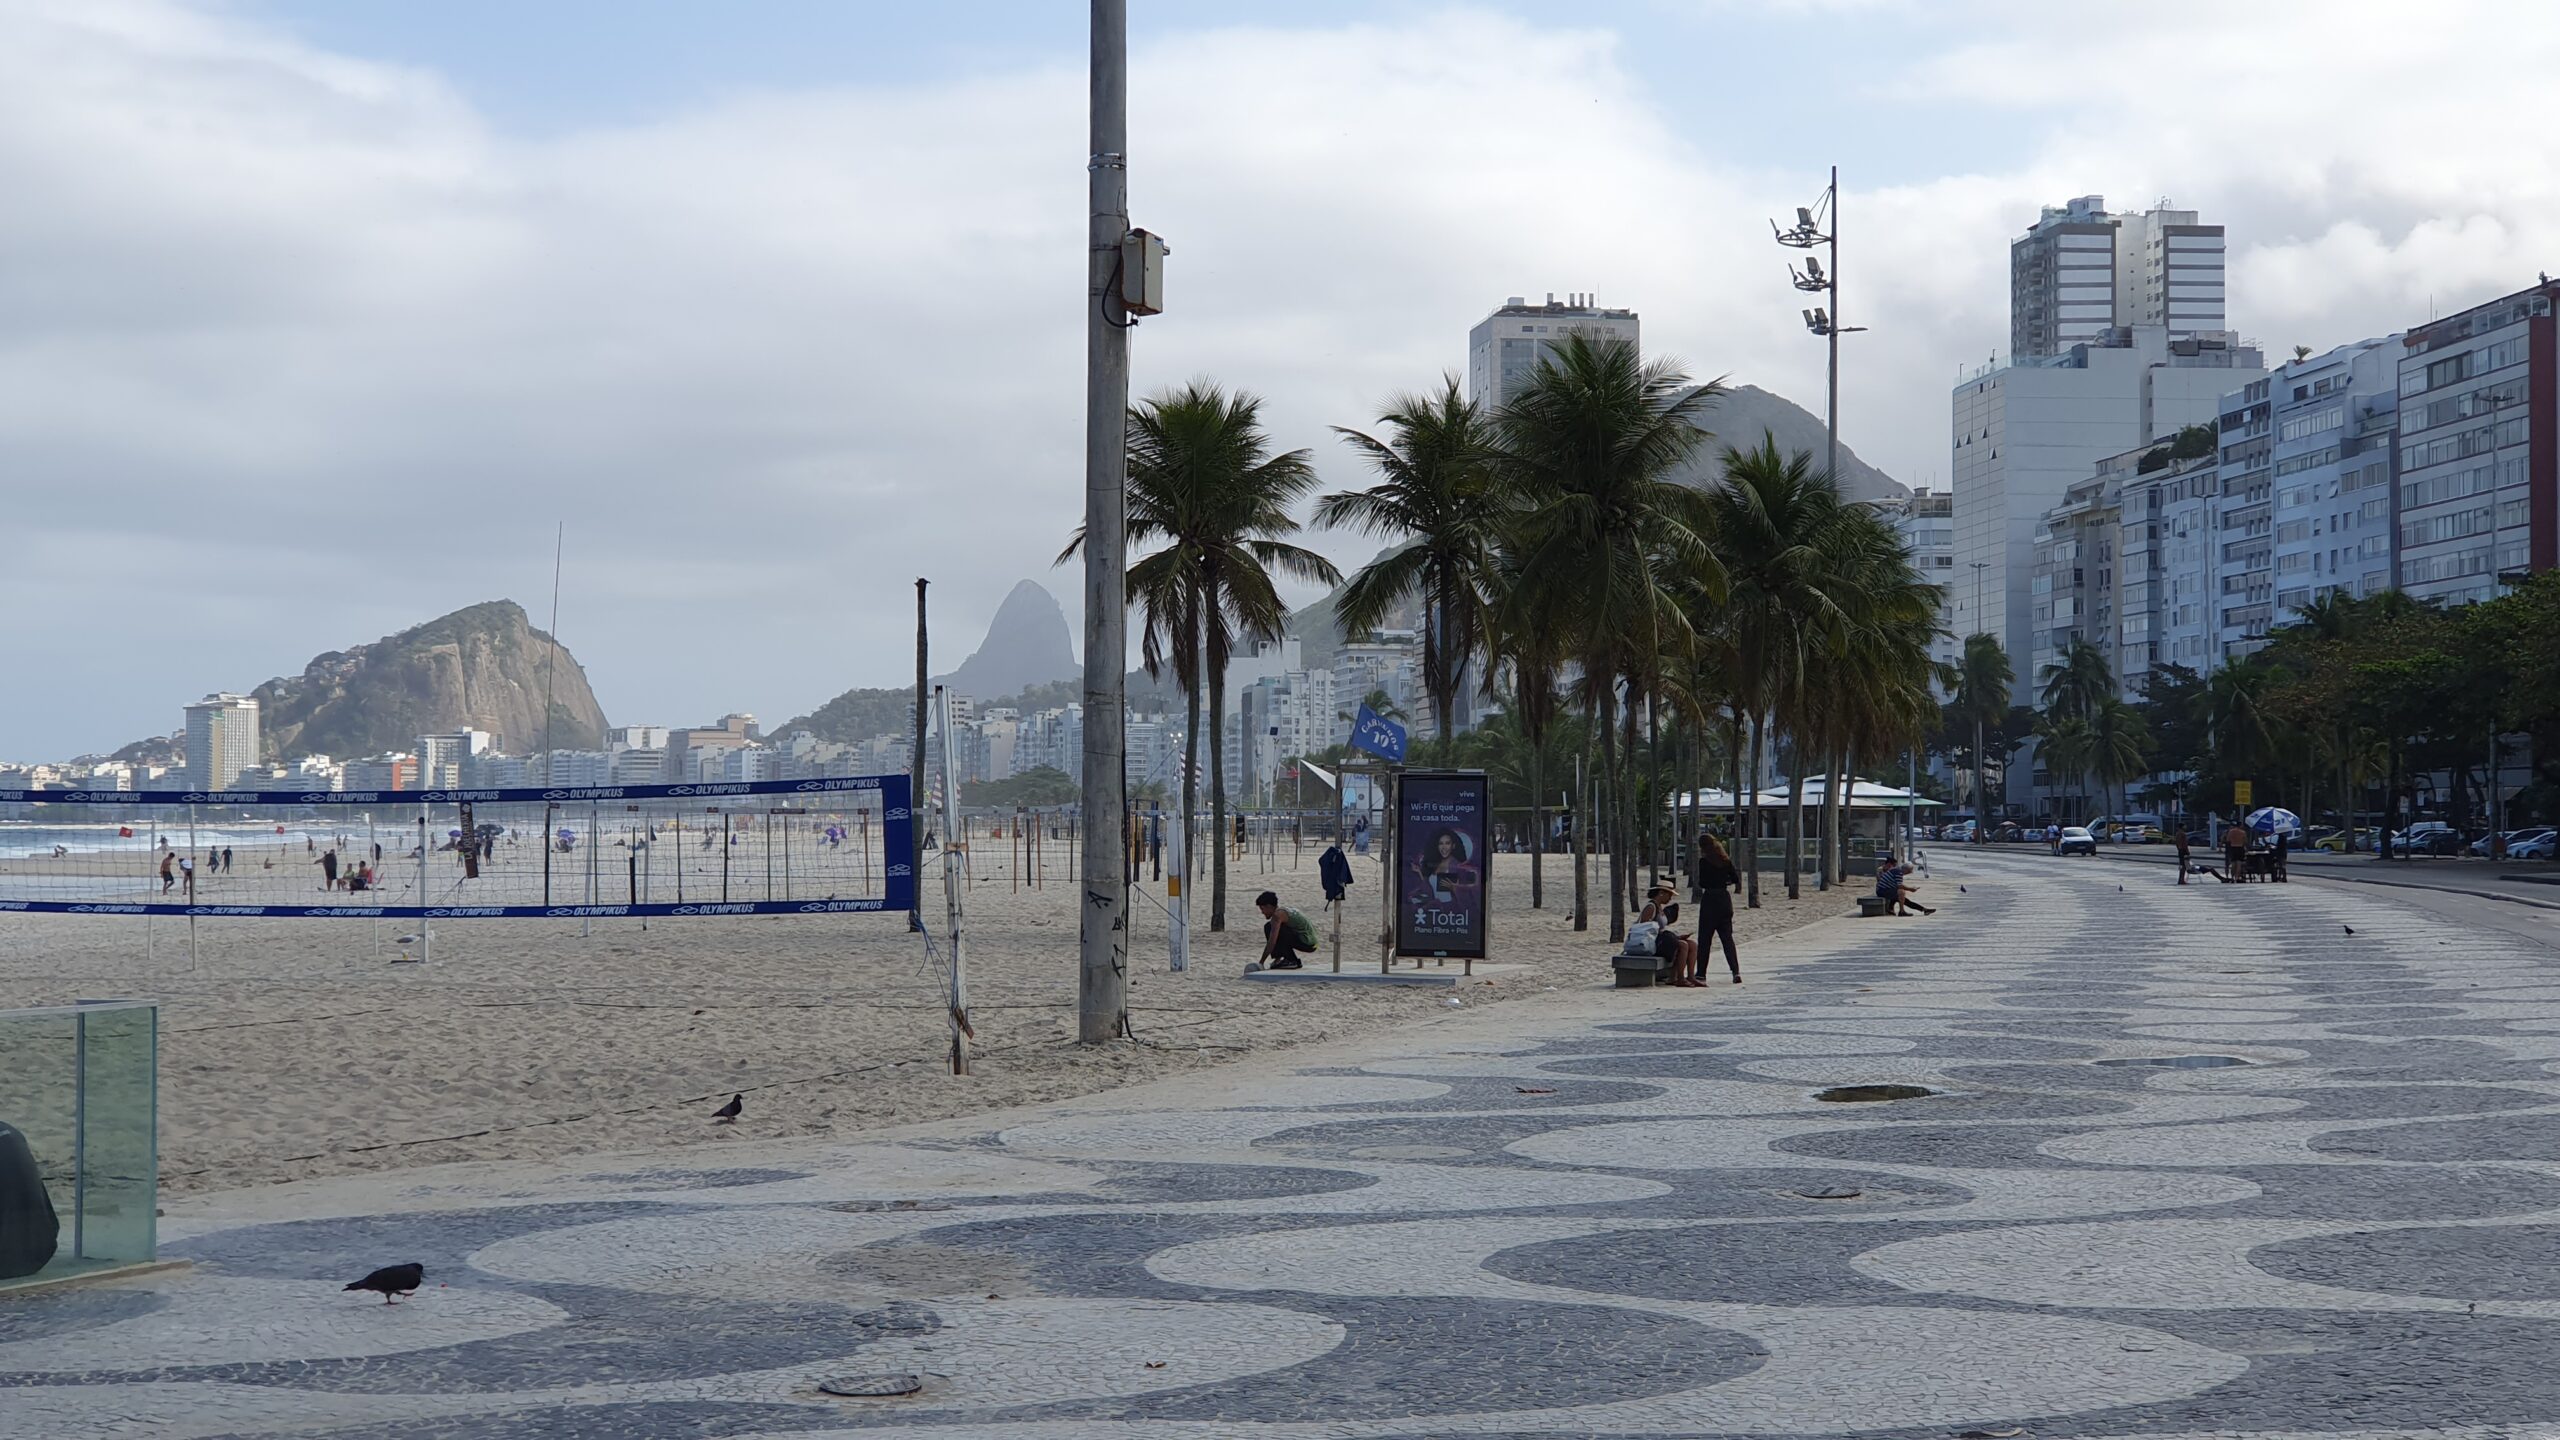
1978	791
1822	830
1190	785
1842	790
1537	827
1795	828
1654	814
1751	812
1617	808
1218	798
1581	820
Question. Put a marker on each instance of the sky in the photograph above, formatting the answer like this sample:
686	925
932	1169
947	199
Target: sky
318	318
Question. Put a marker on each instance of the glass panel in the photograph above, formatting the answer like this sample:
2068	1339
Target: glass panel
120	1133
38	1184
79	1164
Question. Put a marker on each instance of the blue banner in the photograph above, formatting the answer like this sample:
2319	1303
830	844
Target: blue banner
1378	735
889	786
898	875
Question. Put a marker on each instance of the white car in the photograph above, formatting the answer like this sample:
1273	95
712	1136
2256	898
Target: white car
2538	846
2076	840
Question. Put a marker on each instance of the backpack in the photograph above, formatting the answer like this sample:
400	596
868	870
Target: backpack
1640	937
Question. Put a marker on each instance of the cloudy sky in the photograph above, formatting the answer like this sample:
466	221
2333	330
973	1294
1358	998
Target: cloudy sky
318	316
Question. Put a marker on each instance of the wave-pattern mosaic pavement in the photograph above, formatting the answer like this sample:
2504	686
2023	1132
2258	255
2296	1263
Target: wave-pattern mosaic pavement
1635	1222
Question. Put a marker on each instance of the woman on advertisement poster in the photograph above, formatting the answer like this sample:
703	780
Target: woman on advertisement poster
1441	874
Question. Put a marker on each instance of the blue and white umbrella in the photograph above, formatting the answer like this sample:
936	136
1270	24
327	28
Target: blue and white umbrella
2273	820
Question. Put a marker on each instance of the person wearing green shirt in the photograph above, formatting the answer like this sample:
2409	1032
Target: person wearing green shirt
1286	934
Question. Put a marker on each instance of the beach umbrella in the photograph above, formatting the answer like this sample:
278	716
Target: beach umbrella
2274	820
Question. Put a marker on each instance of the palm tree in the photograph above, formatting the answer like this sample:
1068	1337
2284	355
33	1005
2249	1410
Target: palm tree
2119	746
1526	655
1605	534
2075	686
2235	722
1772	517
1983	681
1438	493
1202	480
2066	746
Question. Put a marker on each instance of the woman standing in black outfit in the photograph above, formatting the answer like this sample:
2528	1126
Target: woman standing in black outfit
1716	880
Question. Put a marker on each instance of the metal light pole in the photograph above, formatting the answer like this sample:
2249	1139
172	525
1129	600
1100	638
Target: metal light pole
1102	988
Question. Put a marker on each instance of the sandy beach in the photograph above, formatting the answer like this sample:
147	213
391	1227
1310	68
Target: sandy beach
290	1050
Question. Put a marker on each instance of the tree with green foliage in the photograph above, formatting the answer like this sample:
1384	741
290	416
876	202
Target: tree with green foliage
1203	481
1437	494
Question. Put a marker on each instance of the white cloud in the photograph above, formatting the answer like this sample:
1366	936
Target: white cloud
296	349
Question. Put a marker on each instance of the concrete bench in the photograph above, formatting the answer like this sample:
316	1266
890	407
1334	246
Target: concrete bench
1870	906
1636	972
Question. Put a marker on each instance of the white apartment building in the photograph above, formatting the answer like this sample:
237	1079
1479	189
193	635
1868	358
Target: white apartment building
2333	419
1926	521
2080	272
222	740
2024	433
1504	348
2479	448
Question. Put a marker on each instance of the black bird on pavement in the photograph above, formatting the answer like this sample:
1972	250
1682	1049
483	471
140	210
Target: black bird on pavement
729	1113
2350	929
392	1280
1962	891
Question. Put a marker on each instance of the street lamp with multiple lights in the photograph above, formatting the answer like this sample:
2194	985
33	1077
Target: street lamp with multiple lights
1818	226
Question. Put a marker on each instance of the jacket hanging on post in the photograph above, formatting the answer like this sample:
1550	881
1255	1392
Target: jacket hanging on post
1334	869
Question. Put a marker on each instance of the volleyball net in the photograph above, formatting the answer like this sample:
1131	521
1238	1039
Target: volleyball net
772	847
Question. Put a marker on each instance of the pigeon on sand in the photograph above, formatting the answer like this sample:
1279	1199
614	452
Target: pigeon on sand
391	1280
728	1114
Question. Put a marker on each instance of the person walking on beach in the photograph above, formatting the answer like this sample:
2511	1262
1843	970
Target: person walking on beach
1717	879
2284	843
168	870
2184	855
2235	851
187	873
226	859
328	863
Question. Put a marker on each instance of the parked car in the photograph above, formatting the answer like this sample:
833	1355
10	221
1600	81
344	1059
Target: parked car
2486	844
1960	831
2539	846
2076	840
2335	841
2444	841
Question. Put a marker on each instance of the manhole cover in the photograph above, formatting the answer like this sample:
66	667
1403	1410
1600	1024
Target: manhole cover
2180	1062
1829	1192
1857	1094
874	1207
867	1387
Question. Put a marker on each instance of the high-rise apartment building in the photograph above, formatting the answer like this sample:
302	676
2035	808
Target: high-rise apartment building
2079	273
2028	431
2479	447
1504	348
222	740
1926	521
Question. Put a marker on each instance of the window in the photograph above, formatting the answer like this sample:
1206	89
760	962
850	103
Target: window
2288	564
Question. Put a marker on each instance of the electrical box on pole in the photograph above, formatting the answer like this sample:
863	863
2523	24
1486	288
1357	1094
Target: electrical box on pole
1142	272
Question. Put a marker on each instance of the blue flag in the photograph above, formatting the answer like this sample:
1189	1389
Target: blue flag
1378	735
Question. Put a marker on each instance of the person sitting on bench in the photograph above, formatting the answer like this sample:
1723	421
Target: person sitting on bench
1286	935
1894	887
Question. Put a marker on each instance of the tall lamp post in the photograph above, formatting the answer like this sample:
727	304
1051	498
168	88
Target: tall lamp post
1818	226
1824	321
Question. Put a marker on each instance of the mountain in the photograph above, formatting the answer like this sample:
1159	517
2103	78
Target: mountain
1747	410
483	667
1027	645
1026	661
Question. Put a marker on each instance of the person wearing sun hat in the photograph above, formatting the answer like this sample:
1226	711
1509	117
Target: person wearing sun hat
1680	952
